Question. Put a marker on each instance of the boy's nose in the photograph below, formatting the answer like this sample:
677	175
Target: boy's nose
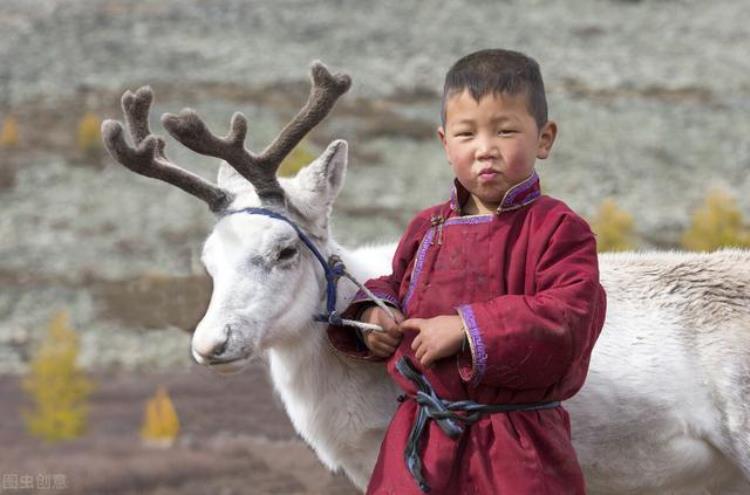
487	152
486	155
486	149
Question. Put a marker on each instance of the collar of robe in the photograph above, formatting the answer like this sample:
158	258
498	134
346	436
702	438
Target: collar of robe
523	193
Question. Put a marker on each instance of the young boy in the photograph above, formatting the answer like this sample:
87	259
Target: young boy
500	286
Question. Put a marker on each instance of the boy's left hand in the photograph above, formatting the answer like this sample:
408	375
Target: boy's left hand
438	337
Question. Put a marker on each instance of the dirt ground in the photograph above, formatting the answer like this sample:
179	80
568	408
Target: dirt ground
235	439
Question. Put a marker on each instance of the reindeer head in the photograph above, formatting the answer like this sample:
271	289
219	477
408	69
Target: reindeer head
266	285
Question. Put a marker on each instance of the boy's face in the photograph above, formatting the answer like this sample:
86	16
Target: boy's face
492	144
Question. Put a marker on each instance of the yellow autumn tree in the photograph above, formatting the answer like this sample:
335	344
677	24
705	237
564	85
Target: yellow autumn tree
160	424
58	388
89	134
613	228
716	224
9	133
298	158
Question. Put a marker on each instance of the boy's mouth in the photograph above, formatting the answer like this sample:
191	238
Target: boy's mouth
487	173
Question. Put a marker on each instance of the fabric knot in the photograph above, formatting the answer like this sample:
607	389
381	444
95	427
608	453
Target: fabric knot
443	412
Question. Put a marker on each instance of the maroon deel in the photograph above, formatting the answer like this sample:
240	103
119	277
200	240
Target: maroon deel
526	283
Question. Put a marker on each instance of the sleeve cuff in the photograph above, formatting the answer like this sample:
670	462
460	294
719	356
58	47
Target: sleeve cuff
347	341
473	361
360	297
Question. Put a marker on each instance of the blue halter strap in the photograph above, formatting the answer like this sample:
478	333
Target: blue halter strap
334	268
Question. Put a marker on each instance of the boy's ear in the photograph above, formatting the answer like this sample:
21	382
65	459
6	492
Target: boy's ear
441	137
547	137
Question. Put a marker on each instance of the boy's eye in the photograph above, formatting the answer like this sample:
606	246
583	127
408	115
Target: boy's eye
505	132
463	134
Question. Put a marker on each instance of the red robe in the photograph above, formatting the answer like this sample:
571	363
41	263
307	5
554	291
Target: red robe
525	280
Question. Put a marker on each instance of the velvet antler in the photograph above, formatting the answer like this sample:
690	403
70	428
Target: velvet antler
260	170
148	158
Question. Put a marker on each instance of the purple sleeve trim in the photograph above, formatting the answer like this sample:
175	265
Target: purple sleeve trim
360	296
478	351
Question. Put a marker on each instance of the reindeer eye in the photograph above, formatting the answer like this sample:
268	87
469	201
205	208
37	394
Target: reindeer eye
287	253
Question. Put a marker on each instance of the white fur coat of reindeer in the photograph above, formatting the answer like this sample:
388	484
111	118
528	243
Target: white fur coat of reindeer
666	406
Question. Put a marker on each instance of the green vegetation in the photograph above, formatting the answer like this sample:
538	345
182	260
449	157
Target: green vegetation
298	158
717	224
89	135
59	389
161	424
9	133
613	228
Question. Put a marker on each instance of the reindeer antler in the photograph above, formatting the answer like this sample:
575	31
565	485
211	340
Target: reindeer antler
147	156
260	170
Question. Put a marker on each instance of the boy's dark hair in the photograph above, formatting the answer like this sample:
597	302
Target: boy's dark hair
496	71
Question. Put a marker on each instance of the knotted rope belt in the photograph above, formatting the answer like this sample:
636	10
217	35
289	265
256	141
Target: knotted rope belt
430	406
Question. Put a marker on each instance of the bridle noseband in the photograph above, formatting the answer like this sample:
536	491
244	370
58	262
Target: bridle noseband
333	268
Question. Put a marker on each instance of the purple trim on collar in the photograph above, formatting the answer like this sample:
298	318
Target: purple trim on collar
479	353
458	196
454	204
522	193
517	196
418	265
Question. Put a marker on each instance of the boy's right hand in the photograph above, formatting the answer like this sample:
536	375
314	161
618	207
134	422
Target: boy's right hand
382	344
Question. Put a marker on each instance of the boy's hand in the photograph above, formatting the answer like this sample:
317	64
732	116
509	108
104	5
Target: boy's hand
382	344
438	337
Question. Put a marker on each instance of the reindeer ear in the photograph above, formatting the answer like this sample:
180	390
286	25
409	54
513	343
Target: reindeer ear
230	180
324	177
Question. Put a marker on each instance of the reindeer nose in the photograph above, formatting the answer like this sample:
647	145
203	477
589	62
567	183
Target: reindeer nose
213	349
220	347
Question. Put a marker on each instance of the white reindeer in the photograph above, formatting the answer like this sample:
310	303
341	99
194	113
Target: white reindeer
666	406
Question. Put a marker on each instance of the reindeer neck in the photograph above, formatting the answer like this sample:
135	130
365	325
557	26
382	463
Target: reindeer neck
314	381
